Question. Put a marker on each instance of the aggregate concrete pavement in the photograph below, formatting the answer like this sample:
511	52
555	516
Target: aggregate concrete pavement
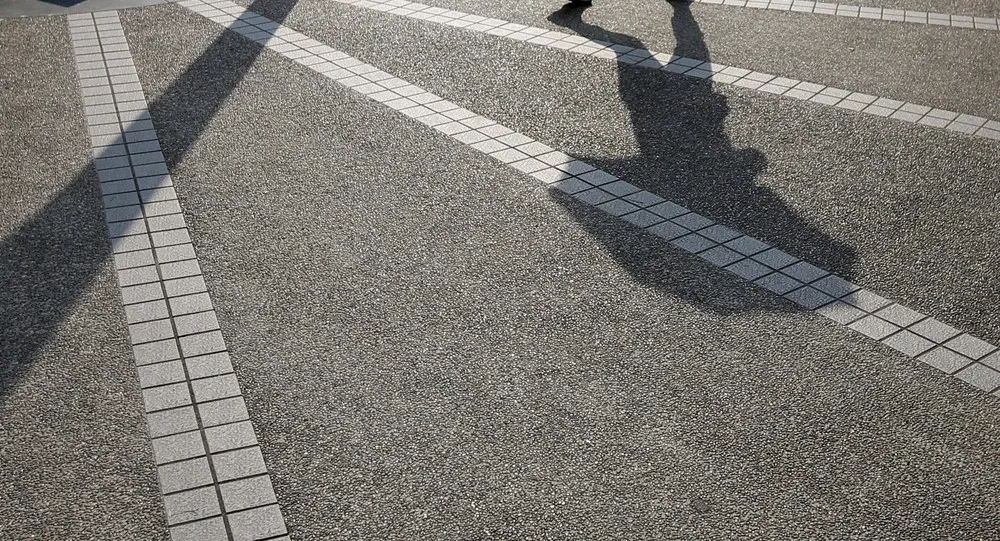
433	346
982	8
926	64
75	461
906	210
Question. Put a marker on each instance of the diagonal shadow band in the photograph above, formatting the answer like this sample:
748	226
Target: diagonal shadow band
686	156
54	257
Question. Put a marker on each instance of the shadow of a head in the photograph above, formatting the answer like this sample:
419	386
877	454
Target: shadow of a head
686	155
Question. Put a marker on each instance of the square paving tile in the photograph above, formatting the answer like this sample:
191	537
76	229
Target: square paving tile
259	523
908	343
841	312
934	330
247	493
239	464
191	505
866	300
185	475
900	315
970	346
778	283
980	376
808	297
874	327
945	360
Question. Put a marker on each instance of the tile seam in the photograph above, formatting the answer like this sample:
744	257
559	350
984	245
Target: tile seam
240	448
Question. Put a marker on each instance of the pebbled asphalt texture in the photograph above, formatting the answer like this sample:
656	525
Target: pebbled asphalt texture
75	460
902	209
432	346
926	64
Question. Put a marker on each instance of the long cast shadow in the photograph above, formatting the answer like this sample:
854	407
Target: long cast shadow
686	157
53	258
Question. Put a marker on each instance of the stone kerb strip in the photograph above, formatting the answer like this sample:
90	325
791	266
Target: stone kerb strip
910	332
690	67
212	475
863	12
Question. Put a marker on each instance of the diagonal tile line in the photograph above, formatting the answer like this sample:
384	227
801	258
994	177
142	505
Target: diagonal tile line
908	331
212	475
863	12
754	80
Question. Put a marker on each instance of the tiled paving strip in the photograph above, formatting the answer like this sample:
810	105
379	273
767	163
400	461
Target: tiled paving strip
864	12
801	6
212	475
912	333
690	67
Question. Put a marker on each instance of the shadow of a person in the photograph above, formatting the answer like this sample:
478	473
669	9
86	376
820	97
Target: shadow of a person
686	156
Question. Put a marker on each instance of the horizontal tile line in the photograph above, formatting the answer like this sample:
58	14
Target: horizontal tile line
171	317
200	429
193	521
214	483
208	454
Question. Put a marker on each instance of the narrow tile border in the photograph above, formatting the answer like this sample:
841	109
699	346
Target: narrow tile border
863	12
711	71
908	331
212	476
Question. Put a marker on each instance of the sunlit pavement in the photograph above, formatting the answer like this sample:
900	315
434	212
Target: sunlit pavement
384	270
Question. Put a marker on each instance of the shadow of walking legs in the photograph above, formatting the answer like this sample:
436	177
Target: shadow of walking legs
686	156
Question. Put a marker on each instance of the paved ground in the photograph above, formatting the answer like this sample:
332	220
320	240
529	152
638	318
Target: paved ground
432	344
74	457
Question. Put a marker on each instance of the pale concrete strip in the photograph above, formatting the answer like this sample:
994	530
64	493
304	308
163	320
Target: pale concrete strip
213	479
691	67
912	333
864	12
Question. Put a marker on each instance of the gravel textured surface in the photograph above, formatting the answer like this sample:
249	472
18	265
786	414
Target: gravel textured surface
926	64
75	459
434	347
903	209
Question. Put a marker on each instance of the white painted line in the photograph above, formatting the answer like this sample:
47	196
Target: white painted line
190	394
863	12
690	67
908	331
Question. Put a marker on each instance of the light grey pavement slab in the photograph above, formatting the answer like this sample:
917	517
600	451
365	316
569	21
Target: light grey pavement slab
75	461
471	355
